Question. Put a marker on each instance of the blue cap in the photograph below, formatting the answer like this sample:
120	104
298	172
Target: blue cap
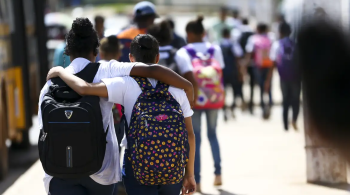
144	8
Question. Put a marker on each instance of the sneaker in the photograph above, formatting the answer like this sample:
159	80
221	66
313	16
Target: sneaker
295	127
198	188
218	180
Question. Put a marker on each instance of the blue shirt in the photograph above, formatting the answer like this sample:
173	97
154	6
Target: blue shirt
59	58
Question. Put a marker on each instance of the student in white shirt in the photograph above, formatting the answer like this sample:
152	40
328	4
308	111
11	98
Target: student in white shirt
82	47
125	91
195	33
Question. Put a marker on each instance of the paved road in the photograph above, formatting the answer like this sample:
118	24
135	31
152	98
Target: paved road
258	158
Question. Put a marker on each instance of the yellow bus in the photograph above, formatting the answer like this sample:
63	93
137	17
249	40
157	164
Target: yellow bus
23	67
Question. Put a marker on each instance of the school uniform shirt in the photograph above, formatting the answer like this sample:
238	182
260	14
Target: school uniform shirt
110	172
274	50
125	91
236	48
183	59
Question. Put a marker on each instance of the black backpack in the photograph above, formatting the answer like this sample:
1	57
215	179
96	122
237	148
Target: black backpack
72	143
170	61
244	39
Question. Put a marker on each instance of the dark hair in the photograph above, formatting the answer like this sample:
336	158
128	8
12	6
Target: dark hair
171	23
110	45
81	39
144	18
262	28
235	12
99	18
323	49
245	21
162	32
196	26
223	9
144	48
285	29
226	32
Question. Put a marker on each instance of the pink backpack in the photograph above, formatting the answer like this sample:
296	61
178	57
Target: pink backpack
208	74
262	52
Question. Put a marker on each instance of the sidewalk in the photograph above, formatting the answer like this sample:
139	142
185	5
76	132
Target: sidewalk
258	158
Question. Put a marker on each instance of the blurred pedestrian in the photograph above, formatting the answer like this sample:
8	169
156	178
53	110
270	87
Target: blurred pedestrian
177	41
235	20
232	53
99	27
259	47
60	58
144	16
282	54
164	34
246	33
205	61
216	31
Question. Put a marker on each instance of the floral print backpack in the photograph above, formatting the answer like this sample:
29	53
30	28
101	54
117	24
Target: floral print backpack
157	136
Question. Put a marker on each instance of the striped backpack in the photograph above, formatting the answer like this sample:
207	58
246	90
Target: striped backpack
157	136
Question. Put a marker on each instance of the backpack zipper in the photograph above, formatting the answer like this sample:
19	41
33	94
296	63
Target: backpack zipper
43	137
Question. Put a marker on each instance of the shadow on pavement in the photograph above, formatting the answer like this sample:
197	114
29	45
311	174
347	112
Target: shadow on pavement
19	162
345	186
223	192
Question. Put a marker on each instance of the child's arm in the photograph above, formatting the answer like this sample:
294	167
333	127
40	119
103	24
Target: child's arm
189	183
164	75
99	89
77	84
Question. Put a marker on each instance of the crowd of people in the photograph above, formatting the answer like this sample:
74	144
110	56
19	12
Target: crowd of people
209	60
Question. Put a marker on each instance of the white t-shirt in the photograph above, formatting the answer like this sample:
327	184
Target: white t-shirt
110	172
125	91
183	59
274	50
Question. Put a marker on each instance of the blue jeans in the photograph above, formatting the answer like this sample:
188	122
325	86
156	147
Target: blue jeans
133	187
261	74
212	117
82	186
291	98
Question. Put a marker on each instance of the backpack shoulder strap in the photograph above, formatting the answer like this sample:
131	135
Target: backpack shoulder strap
211	51
143	83
89	72
191	51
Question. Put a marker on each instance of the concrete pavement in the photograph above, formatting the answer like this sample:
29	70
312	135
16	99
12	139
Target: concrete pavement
258	158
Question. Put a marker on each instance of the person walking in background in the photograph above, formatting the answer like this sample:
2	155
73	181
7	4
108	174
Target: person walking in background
259	47
99	26
177	41
100	29
164	34
232	53
235	20
110	49
216	32
205	61
144	16
60	58
282	53
246	33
